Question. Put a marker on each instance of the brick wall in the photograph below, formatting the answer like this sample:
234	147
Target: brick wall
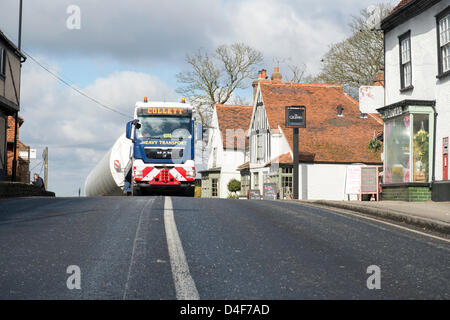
406	193
22	164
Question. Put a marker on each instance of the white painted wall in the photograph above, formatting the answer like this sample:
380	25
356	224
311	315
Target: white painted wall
231	160
322	181
424	71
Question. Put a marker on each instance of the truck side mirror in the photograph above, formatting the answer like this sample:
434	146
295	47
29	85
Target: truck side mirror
129	128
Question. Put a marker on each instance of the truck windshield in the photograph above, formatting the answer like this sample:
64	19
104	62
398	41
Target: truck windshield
164	127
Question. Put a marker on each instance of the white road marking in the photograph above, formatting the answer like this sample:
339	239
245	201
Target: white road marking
138	244
184	284
346	211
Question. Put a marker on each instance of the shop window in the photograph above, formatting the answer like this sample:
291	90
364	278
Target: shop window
397	153
421	144
407	148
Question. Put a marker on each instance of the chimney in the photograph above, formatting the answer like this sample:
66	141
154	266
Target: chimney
255	84
276	75
262	77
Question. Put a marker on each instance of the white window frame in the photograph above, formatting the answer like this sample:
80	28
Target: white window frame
405	60
444	42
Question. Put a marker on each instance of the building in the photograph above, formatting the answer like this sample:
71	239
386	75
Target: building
22	154
226	148
416	109
336	136
10	72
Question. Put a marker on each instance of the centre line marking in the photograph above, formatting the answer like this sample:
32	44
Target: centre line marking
184	284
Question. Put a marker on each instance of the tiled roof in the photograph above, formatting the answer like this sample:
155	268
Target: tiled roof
244	166
233	117
400	4
327	137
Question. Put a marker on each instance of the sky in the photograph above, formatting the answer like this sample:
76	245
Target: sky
125	50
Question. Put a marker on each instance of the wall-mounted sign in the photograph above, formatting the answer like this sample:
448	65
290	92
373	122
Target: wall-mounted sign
23	154
254	194
295	117
391	113
371	98
270	191
163	111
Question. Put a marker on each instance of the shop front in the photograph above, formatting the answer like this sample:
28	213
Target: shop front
409	150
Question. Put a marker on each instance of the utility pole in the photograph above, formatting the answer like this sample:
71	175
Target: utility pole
16	116
46	167
20	26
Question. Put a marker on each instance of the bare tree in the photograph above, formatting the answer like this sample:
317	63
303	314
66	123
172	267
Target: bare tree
355	61
214	77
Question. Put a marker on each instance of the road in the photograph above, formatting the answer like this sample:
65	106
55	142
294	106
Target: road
171	247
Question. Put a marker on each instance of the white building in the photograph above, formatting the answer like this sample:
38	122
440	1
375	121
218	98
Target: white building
336	136
226	149
417	100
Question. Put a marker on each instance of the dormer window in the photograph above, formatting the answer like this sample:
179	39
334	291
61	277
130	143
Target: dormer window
340	110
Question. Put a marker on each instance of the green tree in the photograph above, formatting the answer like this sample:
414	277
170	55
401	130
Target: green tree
355	61
234	186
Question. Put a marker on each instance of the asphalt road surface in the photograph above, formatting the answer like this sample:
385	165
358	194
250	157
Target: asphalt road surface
190	248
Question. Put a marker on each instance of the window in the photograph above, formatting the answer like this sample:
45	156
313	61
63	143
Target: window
408	157
260	147
405	61
340	110
443	28
214	189
2	61
287	170
256	180
214	157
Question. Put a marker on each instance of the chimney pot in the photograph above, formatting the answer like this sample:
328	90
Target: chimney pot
264	73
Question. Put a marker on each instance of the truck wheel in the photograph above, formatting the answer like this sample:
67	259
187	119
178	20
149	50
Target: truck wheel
189	192
135	191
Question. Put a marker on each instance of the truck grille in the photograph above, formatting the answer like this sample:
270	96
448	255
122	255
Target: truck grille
156	153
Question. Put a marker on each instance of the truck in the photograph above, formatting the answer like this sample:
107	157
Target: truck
157	153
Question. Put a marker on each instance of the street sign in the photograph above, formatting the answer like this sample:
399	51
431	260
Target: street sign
353	180
23	154
369	181
254	194
270	191
295	117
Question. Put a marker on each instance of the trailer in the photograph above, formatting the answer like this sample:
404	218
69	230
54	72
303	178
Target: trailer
108	176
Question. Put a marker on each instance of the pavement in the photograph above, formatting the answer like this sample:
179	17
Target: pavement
19	189
171	247
429	215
